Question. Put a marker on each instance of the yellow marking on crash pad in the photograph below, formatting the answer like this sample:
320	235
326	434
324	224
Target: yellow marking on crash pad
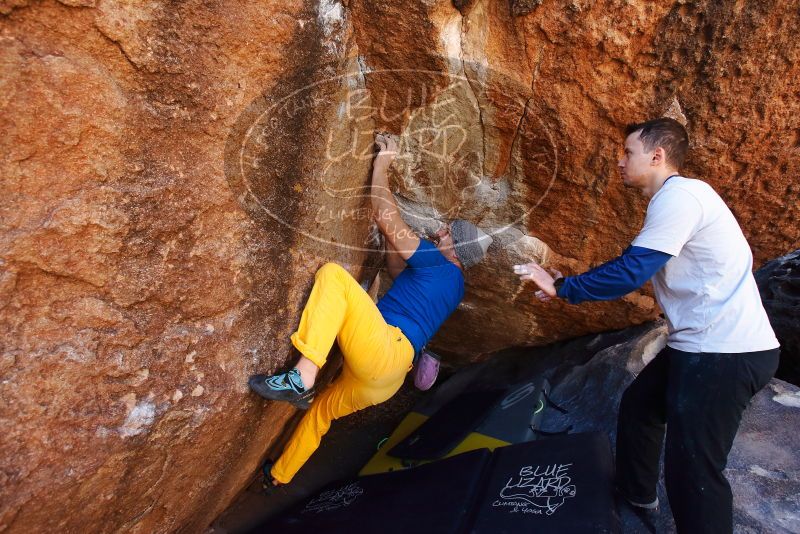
475	441
382	462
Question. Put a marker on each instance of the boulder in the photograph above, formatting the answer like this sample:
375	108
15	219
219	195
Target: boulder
142	282
519	130
173	176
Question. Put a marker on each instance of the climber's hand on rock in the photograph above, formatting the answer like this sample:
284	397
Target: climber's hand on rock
387	146
534	272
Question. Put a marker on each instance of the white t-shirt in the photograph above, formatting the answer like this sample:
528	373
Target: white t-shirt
707	290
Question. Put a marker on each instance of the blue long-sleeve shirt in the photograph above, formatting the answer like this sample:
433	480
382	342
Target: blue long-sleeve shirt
615	278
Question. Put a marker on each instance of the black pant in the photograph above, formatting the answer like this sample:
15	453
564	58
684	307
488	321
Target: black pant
700	398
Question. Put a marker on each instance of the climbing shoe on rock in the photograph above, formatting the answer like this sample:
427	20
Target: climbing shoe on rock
267	482
286	387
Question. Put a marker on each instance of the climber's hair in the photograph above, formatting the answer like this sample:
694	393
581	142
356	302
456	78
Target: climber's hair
666	133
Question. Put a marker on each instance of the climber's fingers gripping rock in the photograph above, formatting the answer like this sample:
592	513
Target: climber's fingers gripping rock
387	146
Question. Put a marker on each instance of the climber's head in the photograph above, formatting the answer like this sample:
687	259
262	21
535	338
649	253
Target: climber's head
462	242
654	150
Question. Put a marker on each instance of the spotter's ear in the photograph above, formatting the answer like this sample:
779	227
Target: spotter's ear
659	156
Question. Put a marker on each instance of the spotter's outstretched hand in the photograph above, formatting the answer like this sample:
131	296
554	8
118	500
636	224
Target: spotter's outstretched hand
539	276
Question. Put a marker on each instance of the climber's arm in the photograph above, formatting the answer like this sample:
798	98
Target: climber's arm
384	207
394	262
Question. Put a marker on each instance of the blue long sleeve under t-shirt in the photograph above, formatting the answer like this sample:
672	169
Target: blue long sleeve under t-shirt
615	278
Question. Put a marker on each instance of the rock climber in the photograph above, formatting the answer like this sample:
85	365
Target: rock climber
720	351
378	342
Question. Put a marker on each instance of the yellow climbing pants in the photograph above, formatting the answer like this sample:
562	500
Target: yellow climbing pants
377	357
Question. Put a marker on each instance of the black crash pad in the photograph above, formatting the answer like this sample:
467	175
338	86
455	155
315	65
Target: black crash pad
433	498
558	485
448	427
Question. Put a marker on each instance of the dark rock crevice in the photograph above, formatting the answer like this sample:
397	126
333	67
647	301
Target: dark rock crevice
779	283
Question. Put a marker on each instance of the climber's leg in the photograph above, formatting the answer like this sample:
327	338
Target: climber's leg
347	394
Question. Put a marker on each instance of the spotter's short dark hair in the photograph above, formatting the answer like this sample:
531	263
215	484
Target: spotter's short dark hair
666	133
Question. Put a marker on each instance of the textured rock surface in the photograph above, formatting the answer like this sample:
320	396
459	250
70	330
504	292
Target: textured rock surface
137	294
174	174
527	113
779	283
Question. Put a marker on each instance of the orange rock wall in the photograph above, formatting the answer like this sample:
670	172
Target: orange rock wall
173	175
137	293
